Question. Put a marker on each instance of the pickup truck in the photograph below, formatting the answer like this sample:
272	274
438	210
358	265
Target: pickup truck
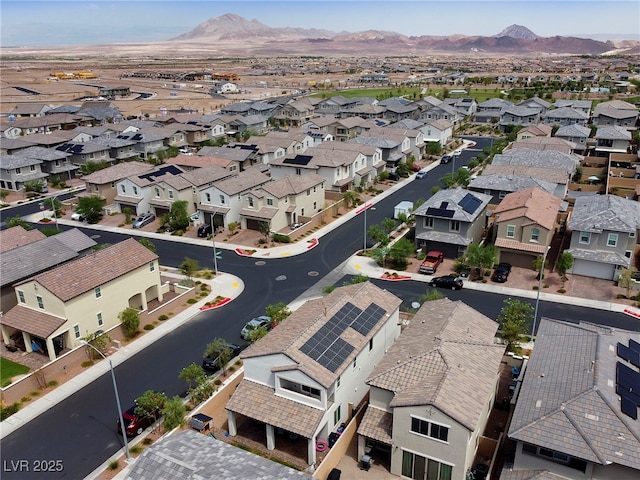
431	262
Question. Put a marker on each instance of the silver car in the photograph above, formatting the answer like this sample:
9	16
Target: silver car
143	220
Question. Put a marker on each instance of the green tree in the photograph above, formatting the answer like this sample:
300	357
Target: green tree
564	263
4	194
193	374
480	257
265	230
221	350
127	214
399	253
448	180
434	148
91	208
178	215
513	320
389	224
257	333
625	280
17	220
145	242
278	312
351	198
173	412
376	233
150	405
90	166
55	205
130	320
100	341
430	295
189	267
34	186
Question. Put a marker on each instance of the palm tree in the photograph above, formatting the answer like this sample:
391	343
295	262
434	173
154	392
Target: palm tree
351	198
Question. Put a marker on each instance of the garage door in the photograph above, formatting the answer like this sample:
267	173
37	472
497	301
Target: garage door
517	259
593	269
253	224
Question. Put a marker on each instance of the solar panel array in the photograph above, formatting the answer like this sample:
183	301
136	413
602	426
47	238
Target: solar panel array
327	348
298	160
628	379
469	203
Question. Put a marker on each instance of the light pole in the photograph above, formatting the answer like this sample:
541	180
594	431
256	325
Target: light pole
540	275
115	390
366	207
213	236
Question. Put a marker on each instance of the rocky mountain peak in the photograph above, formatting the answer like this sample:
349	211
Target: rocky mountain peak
518	31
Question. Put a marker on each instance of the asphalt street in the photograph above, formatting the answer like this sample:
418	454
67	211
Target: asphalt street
80	431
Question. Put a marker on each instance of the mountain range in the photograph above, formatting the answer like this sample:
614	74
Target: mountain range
251	36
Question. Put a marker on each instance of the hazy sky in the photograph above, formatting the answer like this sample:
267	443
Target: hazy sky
78	22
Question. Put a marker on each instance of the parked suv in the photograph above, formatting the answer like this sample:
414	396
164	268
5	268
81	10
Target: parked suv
255	323
144	219
446	159
448	281
501	273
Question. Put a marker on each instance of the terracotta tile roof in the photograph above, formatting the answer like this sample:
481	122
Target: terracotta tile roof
520	246
301	325
34	322
260	403
533	203
17	236
446	358
377	424
88	272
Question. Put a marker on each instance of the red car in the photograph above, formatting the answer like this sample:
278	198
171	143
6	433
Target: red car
431	262
134	424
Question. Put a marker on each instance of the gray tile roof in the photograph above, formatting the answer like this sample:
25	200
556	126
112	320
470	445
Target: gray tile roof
537	158
117	172
553	175
573	131
568	401
42	153
446	358
189	455
605	213
566	112
76	240
614	132
602	256
17	161
529	475
510	183
242	182
452	196
292	184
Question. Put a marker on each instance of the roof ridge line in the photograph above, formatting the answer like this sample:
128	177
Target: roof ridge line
582	433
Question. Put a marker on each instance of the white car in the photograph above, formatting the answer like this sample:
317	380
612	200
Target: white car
77	217
421	174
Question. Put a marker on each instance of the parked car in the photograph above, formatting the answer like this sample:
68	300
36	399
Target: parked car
448	281
143	220
394	176
446	159
204	230
421	174
415	167
431	262
501	273
134	424
212	364
254	324
77	217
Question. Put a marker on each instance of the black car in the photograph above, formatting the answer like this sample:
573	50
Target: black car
394	176
445	159
204	230
501	273
447	281
211	364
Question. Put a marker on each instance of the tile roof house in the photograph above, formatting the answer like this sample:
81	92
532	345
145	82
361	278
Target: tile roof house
524	225
395	146
451	220
539	130
308	373
243	158
614	139
189	455
616	113
432	392
58	307
519	115
576	134
53	162
582	105
102	183
498	185
544	143
603	235
566	116
440	131
571	418
491	110
18	169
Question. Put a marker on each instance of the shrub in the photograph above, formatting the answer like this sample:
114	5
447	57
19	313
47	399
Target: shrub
191	301
278	237
53	383
114	464
328	289
163	317
621	295
204	287
148	326
147	441
135	450
562	290
218	382
86	363
35	393
6	412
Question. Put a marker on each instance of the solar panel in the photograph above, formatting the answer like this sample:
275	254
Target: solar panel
628	354
623	392
137	136
633	345
629	408
627	377
77	148
368	319
470	203
439	212
298	160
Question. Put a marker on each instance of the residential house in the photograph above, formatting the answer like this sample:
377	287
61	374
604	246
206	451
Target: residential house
241	158
336	105
102	183
30	110
53	162
451	220
121	148
344	129
519	115
576	414
295	140
199	179
18	169
223	200
432	392
610	140
287	201
136	191
295	113
53	314
564	116
440	131
603	235
581	105
264	152
145	145
491	110
439	111
397	109
576	134
365	111
395	147
81	153
524	225
499	185
543	159
308	374
173	135
616	113
536	103
417	144
530	131
465	106
544	143
49	123
374	164
556	176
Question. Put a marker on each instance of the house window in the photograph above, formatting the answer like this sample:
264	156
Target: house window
371	344
40	302
554	456
419	467
308	192
157	190
222	199
250	200
454	226
511	231
21	296
628	253
97	292
298	171
310	391
632	234
612	240
315	205
585	238
336	416
76	331
355	362
502	194
270	202
429	429
99	318
428	222
170	194
32	168
18	171
535	234
152	266
337	382
135	190
207	197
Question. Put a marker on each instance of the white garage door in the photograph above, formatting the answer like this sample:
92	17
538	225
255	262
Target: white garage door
593	269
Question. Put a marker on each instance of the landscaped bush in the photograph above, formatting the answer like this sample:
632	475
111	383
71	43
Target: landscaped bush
113	465
278	237
163	317
86	363
6	412
191	301
148	326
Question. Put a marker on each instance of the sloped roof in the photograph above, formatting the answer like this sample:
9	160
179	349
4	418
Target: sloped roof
292	184
452	197
537	158
536	205
568	401
605	212
243	181
117	172
510	183
17	236
32	321
445	357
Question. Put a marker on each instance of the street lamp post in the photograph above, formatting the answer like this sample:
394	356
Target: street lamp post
213	236
367	206
115	390
540	275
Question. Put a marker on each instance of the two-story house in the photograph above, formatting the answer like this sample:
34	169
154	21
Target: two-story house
610	140
18	169
102	183
54	162
616	113
306	376
432	392
54	313
499	185
531	131
83	152
524	225
491	110
576	134
604	232
136	191
241	158
280	203
576	414
395	147
519	115
565	116
451	220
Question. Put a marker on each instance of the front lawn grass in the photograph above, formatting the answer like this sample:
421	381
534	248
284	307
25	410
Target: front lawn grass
9	369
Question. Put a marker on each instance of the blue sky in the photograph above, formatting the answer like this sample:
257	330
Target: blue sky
78	22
